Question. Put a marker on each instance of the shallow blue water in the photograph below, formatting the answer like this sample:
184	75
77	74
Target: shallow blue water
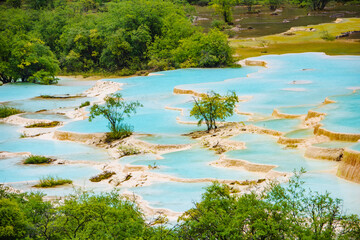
334	144
269	88
11	170
167	139
282	125
193	163
264	150
48	116
300	133
8	132
356	147
58	149
20	91
178	197
344	115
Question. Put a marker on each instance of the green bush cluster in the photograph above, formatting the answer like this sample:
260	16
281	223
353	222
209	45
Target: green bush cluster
120	37
85	104
8	111
128	150
102	176
36	159
48	182
44	124
284	212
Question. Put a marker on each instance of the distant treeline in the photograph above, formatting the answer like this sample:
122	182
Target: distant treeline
282	213
40	38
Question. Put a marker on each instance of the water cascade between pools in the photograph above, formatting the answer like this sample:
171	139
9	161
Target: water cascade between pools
284	102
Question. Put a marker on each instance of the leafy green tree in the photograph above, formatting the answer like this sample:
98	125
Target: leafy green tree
248	4
223	8
31	60
12	220
282	212
203	50
115	110
312	4
213	107
104	216
273	4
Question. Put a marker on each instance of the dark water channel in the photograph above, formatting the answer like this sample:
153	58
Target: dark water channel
264	23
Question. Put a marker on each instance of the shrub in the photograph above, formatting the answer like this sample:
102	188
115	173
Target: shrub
123	132
44	125
102	176
219	24
128	150
8	111
115	110
50	181
35	159
85	104
325	35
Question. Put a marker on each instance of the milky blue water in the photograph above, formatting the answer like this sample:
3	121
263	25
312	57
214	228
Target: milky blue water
167	139
178	163
334	144
8	132
178	197
263	149
344	115
58	149
300	133
356	147
12	170
48	116
281	125
20	91
279	86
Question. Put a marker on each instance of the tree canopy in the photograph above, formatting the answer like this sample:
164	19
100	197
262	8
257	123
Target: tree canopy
120	37
212	107
115	110
281	212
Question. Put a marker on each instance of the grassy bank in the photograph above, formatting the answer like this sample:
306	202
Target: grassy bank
302	39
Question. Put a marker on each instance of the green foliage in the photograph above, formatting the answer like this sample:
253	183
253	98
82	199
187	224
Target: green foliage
325	35
283	212
204	50
35	159
6	111
129	150
49	181
115	110
213	107
28	60
79	216
85	104
249	4
312	4
102	176
223	8
288	212
219	24
44	125
273	4
12	220
122	37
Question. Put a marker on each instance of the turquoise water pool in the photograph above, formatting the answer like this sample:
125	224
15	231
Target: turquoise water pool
280	85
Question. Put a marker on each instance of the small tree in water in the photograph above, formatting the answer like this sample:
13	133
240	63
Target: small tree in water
213	107
115	110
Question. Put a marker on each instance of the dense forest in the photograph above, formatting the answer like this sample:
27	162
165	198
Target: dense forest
288	212
40	38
